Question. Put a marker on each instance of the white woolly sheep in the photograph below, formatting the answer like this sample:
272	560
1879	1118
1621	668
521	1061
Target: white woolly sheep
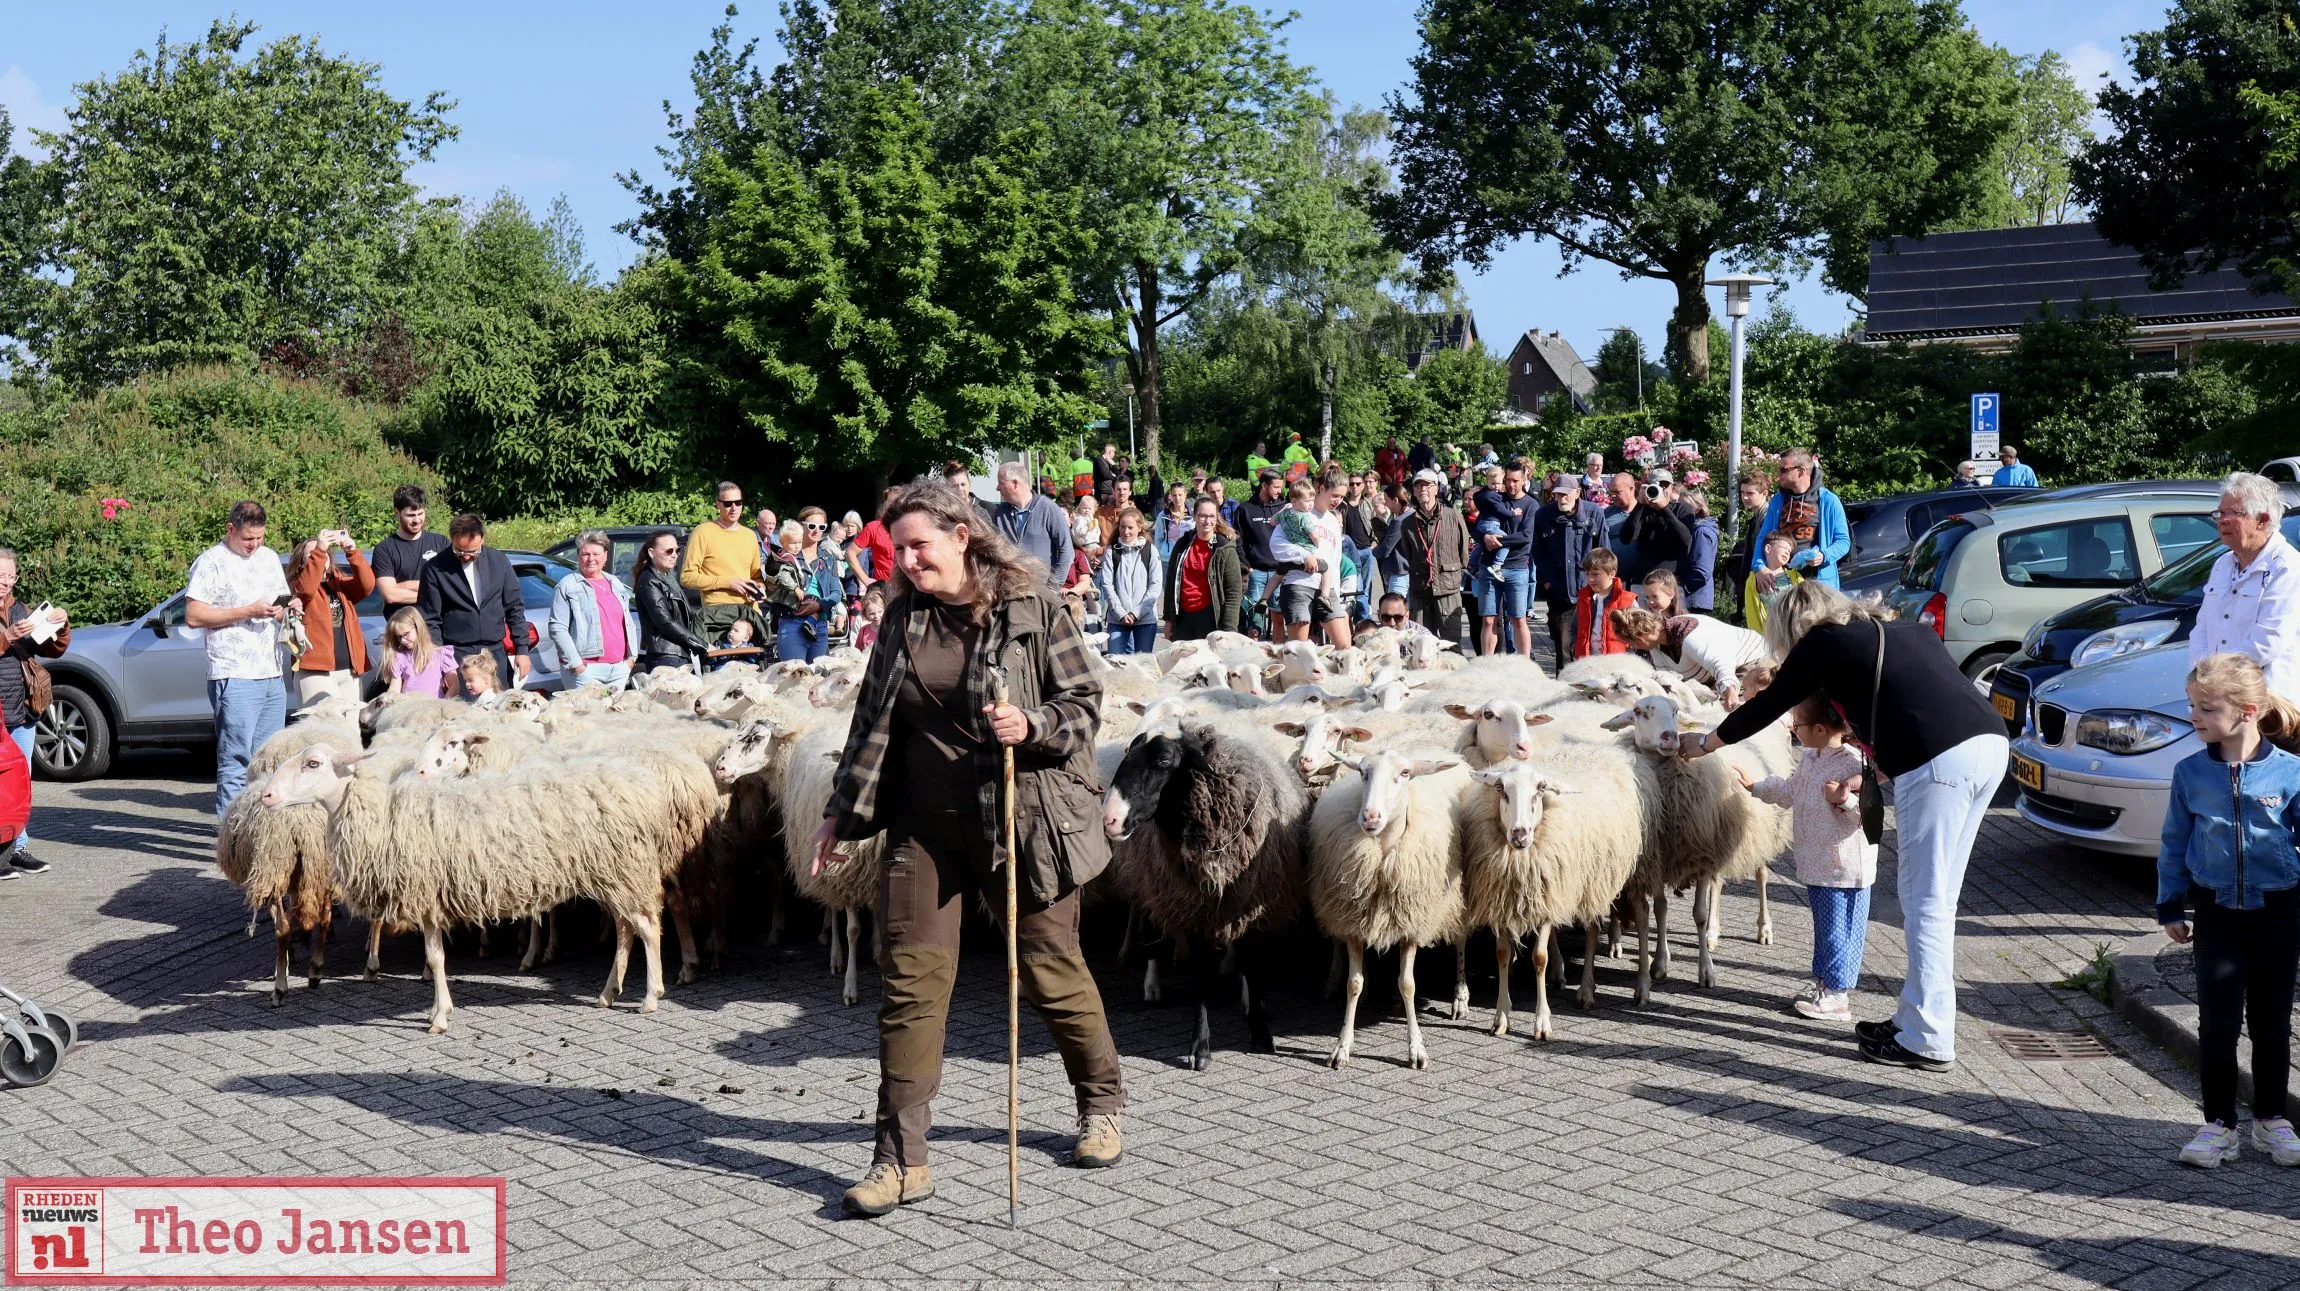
845	889
1385	869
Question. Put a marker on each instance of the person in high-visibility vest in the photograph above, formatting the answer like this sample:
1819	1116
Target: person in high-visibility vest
1081	476
1255	461
1298	459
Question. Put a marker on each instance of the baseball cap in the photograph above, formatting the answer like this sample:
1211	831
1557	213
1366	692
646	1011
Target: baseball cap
1429	477
1660	476
1566	483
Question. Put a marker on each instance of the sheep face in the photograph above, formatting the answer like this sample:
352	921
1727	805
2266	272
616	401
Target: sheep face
1385	776
1323	737
1245	679
1504	729
748	753
1523	795
1298	664
1140	782
1388	696
737	703
1655	723
320	776
336	710
446	753
838	690
1352	664
1424	648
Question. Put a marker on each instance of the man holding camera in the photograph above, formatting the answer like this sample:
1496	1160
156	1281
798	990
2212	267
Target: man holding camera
1656	531
237	597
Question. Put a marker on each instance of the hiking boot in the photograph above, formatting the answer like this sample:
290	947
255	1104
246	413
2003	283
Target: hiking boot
1893	1054
1101	1141
2274	1136
887	1186
23	859
2214	1144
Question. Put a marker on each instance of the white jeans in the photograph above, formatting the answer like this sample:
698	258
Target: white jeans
311	687
1937	810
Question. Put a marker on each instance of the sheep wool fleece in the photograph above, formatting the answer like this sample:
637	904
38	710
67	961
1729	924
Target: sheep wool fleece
934	862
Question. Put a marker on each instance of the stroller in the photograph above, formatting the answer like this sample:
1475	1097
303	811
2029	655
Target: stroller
33	1041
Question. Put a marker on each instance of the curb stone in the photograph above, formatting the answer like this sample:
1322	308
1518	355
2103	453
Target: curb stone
2168	1017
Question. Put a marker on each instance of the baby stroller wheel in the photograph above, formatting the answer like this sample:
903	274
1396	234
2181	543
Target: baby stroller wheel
66	1031
29	1056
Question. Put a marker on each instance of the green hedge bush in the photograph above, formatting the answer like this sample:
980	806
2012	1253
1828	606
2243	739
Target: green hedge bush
181	448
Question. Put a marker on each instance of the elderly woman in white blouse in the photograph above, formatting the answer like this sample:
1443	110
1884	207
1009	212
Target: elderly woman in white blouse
2252	600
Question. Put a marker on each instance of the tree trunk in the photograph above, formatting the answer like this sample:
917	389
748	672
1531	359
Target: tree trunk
1327	378
1146	308
1689	324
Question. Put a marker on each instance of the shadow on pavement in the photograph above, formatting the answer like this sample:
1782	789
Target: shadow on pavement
2106	1260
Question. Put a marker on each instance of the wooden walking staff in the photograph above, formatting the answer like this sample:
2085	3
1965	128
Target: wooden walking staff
1013	993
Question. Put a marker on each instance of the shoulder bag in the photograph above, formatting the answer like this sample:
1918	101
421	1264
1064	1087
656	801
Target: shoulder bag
1872	793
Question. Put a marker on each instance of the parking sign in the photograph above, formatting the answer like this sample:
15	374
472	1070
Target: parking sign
1985	409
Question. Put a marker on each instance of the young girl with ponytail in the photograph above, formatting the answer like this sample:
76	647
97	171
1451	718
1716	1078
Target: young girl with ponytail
2229	851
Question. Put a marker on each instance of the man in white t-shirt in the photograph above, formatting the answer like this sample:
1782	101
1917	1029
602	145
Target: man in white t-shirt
237	596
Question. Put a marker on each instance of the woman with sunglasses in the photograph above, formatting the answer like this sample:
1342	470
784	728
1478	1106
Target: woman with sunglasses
803	631
1205	581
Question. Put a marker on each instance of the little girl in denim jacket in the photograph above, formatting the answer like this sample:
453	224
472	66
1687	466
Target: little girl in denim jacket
2229	852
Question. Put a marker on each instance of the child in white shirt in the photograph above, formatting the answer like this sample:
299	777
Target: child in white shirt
1835	861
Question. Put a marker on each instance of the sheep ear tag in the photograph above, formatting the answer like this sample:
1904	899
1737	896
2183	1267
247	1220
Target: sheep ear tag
1688	724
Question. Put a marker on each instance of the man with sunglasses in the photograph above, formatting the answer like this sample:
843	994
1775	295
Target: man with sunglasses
1813	518
723	563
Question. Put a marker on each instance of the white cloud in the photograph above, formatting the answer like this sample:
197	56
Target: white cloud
2094	66
28	110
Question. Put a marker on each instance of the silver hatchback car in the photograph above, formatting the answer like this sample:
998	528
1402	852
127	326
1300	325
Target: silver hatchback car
2094	761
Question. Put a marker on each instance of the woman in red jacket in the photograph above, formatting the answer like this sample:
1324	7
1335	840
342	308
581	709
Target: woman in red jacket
338	655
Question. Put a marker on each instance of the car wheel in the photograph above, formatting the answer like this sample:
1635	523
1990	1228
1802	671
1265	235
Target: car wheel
74	739
1982	669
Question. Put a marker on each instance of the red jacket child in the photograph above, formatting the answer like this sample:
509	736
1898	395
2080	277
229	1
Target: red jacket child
1592	634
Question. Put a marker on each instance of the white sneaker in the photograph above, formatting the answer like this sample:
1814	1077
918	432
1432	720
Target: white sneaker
2213	1144
1807	997
1825	1006
2274	1136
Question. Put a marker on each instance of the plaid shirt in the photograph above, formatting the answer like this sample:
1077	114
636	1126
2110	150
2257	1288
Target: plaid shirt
1050	678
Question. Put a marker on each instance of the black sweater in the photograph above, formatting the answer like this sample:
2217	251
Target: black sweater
1924	708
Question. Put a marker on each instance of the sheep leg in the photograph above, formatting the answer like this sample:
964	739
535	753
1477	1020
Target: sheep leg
1152	992
1460	980
650	928
435	961
775	918
1258	1036
690	962
1645	973
852	991
483	925
1705	898
551	936
1661	934
319	935
621	961
1417	1057
715	937
1557	955
1504	950
1126	941
1764	904
1588	995
534	944
838	943
283	948
829	932
1356	986
1337	971
1542	1027
1209	983
374	948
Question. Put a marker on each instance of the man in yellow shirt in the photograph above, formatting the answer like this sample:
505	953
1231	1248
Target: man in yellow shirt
722	562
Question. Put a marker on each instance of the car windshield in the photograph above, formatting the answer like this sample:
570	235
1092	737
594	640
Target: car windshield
2182	582
1929	559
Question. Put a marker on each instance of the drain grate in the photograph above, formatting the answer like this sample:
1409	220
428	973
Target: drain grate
2049	1046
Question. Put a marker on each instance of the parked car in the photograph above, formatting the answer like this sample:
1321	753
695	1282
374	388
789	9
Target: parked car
2094	760
1885	528
146	683
1983	579
2157	610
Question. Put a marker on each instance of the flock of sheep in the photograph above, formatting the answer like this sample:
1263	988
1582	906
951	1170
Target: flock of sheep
1403	794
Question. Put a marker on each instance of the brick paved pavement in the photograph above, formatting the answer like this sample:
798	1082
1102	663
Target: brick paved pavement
1714	1140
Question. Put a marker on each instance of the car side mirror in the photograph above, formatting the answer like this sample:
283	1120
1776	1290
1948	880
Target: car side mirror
158	625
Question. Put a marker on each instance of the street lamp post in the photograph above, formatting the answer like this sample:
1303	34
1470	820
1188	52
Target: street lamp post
1737	289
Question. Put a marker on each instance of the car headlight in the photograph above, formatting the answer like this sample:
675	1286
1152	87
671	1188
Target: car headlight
2123	639
2035	638
2128	730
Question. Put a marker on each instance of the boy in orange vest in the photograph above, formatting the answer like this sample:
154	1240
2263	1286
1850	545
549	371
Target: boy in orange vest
1602	592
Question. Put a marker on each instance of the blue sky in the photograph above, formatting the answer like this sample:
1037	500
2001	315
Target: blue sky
557	98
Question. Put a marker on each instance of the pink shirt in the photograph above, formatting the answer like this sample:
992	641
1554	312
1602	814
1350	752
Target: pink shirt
613	648
430	681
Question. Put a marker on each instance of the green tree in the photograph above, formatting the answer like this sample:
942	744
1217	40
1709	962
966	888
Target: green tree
2193	177
210	206
25	193
1169	118
865	312
1625	377
2049	130
1451	398
1661	135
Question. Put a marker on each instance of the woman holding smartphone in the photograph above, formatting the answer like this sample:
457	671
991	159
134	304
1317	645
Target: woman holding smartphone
338	654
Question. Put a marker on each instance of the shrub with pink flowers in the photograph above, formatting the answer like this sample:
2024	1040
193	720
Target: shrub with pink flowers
1635	447
112	507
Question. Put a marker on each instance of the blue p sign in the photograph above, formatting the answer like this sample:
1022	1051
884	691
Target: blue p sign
1984	428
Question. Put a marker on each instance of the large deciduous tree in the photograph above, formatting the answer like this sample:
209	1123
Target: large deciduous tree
2193	177
1170	118
208	205
1660	135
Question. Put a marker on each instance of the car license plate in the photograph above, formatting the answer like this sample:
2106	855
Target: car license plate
2008	708
2028	772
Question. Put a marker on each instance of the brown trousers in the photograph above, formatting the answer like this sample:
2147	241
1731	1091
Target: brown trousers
934	862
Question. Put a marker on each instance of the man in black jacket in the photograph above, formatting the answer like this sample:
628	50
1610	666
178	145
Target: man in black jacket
470	600
1565	530
667	635
1256	516
1656	531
